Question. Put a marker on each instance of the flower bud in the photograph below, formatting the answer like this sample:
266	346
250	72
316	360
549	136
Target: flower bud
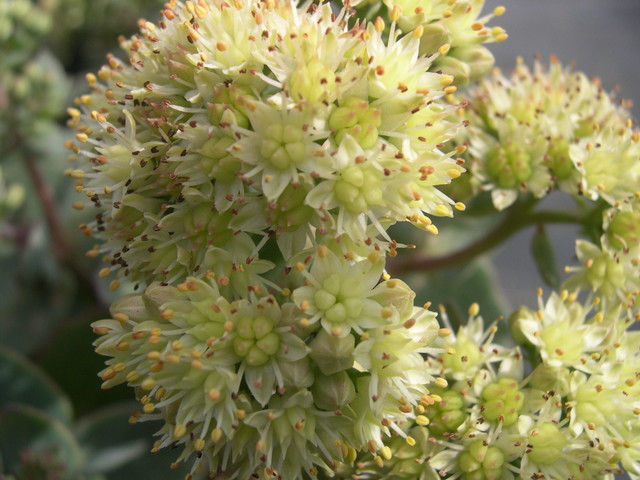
332	392
332	354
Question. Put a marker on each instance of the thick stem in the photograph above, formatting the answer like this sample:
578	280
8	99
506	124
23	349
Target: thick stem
60	245
519	217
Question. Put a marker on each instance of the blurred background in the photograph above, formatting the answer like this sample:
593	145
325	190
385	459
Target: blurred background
49	389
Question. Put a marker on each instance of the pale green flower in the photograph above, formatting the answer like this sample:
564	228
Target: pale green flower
611	276
608	163
456	30
469	352
339	295
622	227
545	128
280	146
561	331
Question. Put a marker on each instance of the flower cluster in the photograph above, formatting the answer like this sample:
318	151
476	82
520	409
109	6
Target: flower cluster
234	124
574	416
245	164
546	128
455	28
273	383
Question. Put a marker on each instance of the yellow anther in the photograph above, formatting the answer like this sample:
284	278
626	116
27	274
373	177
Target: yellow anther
213	394
444	332
418	31
499	34
454	173
378	23
460	206
422	420
154	355
499	11
441	382
148	384
216	435
446	80
442	211
201	10
386	312
395	13
179	431
77	174
474	309
385	452
444	49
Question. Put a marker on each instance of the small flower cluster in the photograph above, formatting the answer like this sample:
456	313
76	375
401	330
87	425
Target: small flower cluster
610	271
574	416
246	163
542	128
285	383
455	28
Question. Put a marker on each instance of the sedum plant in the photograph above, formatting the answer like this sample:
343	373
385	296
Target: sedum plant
245	166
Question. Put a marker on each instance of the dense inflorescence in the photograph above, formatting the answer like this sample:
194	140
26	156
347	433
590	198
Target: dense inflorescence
200	148
573	416
245	164
545	128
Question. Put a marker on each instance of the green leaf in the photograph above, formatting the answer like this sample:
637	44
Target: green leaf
37	295
545	258
71	361
457	288
26	429
22	382
120	450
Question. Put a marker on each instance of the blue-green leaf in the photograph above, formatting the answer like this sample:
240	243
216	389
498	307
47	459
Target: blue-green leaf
545	258
24	428
119	450
22	382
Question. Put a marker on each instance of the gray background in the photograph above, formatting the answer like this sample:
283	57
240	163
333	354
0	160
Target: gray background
602	37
